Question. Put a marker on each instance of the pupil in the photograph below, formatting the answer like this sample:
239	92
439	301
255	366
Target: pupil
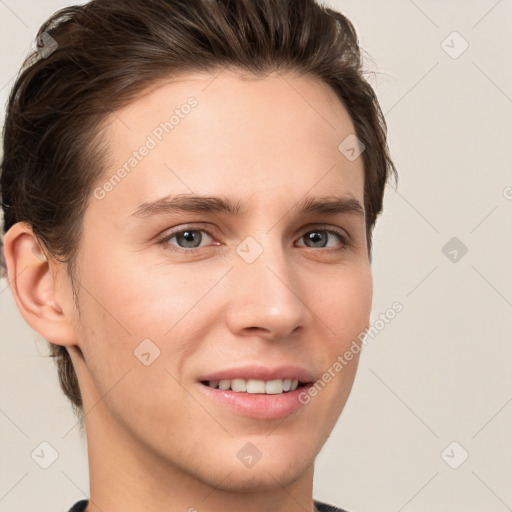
188	238
315	237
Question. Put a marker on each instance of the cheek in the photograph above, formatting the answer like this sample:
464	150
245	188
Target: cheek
131	300
128	311
344	311
346	305
128	359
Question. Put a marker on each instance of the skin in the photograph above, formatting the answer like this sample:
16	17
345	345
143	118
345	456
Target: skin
155	442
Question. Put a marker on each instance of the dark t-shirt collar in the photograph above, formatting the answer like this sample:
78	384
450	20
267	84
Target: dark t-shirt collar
321	507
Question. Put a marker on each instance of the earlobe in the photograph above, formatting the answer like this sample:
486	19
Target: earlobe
33	280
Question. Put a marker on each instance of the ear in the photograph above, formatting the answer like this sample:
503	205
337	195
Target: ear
40	286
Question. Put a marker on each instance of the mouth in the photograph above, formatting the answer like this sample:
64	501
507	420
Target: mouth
256	386
265	399
257	392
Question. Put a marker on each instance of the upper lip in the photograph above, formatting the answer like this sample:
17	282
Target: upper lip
261	373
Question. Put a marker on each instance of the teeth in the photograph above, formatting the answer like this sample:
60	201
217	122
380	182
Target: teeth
224	384
239	385
269	387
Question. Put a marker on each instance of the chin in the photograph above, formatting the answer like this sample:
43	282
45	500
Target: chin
277	466
260	478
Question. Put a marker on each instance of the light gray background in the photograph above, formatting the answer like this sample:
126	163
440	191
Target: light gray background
440	371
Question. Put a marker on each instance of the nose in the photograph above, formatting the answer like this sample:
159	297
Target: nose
267	299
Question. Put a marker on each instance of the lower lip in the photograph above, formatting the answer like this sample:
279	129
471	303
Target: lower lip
255	405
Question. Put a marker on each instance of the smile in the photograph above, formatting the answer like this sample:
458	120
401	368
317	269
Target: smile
253	386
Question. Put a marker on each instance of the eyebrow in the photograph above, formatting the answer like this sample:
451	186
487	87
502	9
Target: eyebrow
328	205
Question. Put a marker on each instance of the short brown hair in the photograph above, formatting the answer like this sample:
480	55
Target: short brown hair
96	58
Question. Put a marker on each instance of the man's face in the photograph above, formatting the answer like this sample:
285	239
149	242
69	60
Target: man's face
211	291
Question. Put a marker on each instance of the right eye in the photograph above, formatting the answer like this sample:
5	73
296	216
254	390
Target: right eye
186	240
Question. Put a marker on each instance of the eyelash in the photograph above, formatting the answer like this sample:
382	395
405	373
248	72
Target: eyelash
164	240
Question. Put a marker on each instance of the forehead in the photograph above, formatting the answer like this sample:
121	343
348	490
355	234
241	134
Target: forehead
208	133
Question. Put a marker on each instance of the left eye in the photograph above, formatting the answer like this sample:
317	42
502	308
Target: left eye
319	237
